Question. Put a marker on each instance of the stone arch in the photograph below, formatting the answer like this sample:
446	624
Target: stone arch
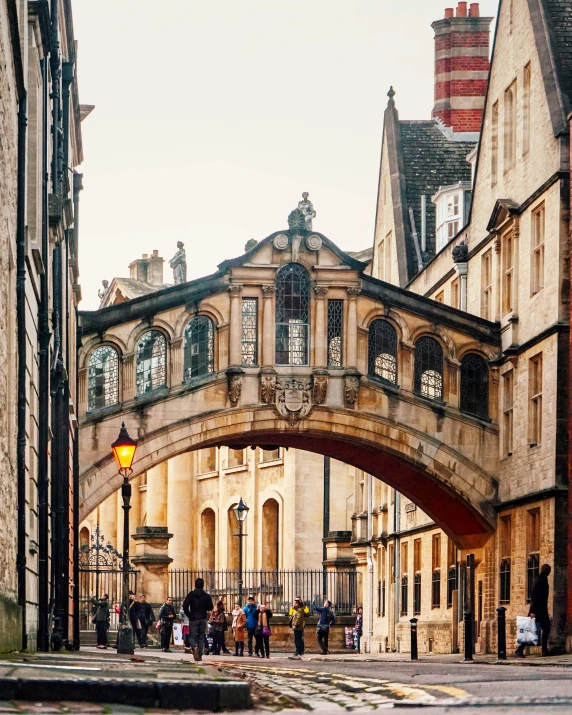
98	342
455	492
144	327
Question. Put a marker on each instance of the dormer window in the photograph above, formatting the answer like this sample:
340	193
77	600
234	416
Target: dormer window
451	202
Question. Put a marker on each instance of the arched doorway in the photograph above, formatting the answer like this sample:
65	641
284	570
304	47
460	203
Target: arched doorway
208	540
270	535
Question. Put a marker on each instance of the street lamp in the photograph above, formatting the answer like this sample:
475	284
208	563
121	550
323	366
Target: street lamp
241	512
124	452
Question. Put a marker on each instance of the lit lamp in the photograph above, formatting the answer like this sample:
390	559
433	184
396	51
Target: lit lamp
124	449
240	512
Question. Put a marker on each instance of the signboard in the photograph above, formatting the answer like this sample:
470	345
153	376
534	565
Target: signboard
178	634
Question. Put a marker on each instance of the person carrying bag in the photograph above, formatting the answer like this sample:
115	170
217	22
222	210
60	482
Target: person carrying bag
263	632
528	629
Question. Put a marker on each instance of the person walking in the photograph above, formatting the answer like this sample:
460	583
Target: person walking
197	606
166	618
263	631
238	629
185	623
136	618
358	628
539	609
218	616
251	612
101	619
326	620
147	618
298	614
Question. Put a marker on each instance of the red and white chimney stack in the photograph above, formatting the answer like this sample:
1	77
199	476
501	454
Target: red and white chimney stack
461	67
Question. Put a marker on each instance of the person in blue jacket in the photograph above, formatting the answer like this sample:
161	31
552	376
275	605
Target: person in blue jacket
327	619
251	611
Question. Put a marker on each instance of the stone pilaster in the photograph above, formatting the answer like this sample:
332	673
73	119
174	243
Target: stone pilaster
235	290
320	336
351	341
152	560
268	325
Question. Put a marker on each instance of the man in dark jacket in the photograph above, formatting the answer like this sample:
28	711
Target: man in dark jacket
136	618
167	618
101	619
327	619
147	618
539	609
197	606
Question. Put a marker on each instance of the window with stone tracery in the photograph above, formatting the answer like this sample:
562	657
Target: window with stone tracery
151	361
382	351
429	368
102	378
292	315
198	348
475	386
335	330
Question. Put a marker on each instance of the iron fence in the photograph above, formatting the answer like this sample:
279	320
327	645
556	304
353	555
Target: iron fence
94	583
279	588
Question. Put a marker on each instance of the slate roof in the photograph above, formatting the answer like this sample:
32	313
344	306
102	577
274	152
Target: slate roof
129	288
430	160
559	14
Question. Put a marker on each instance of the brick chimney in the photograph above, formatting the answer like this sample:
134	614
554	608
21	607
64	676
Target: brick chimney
461	67
148	269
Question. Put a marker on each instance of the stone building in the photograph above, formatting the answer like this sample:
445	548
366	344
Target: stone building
501	203
39	189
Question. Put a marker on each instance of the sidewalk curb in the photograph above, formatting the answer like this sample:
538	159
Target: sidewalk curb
179	694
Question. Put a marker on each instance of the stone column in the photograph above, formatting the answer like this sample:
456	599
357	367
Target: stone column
128	377
108	519
179	510
176	376
152	560
320	336
352	336
135	512
157	479
268	325
235	290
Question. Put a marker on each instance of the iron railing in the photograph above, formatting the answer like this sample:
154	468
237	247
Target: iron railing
278	588
94	583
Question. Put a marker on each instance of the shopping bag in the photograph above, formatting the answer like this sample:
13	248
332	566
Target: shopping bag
526	631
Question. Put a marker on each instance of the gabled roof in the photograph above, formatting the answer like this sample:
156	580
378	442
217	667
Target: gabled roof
502	210
129	288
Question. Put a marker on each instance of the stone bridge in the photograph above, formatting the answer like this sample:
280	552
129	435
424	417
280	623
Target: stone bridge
294	345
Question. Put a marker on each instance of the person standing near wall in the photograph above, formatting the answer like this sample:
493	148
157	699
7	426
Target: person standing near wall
216	621
263	631
327	619
358	628
238	629
197	606
298	614
147	618
251	612
136	618
539	609
101	619
166	617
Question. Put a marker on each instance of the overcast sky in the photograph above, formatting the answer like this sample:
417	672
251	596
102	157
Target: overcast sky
211	118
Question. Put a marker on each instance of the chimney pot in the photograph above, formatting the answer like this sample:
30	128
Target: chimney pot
449	12
462	9
155	254
145	255
474	10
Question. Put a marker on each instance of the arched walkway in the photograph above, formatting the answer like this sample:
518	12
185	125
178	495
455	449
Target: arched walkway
451	489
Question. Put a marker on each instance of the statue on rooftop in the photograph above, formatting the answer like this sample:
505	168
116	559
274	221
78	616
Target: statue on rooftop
101	293
307	208
179	264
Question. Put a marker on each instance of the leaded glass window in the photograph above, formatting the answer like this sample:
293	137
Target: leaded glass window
429	368
382	351
335	328
475	386
249	331
504	581
103	378
292	315
151	357
199	348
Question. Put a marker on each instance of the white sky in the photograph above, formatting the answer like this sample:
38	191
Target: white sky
211	118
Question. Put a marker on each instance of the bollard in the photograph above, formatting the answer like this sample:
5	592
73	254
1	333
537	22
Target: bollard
468	636
501	636
414	655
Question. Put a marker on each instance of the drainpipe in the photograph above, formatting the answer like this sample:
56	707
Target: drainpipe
569	546
397	563
22	370
326	529
370	558
43	388
423	224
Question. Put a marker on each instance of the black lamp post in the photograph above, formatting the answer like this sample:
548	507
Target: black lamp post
124	452
241	512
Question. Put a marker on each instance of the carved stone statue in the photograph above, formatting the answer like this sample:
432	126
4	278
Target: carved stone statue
460	253
101	293
179	264
307	208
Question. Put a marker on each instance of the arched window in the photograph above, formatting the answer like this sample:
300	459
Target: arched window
151	362
199	348
232	543
292	315
475	386
429	368
382	351
208	540
102	378
270	535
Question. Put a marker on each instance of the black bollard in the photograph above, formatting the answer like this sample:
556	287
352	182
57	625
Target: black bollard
468	636
414	655
501	635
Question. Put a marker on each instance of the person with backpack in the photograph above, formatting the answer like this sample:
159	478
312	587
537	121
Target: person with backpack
298	614
327	619
238	629
101	619
263	631
197	606
251	613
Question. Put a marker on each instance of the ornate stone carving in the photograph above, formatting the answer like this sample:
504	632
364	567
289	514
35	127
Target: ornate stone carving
296	221
353	291
351	392
320	389
313	242
234	388
320	291
268	389
234	288
460	253
268	290
281	241
293	398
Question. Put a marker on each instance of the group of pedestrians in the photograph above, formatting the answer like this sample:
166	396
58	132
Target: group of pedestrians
141	618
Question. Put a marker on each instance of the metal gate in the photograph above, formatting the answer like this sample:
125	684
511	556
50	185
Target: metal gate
101	571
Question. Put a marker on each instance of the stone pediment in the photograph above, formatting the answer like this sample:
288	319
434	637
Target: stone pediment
503	211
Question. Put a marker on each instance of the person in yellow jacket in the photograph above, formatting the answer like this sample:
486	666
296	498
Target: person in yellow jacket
298	614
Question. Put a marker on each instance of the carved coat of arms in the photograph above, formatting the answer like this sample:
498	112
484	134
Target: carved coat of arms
293	398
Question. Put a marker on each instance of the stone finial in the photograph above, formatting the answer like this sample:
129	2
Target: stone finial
250	244
391	95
